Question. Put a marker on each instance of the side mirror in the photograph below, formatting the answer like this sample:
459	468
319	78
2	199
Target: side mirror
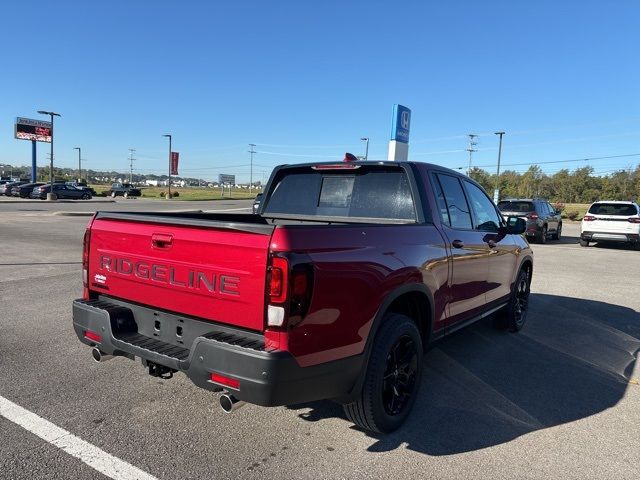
516	225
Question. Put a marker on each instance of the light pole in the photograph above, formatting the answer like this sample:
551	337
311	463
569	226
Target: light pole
366	148
251	151
51	114
169	194
79	163
496	192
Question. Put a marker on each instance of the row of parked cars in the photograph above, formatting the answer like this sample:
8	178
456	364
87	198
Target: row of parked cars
63	190
605	221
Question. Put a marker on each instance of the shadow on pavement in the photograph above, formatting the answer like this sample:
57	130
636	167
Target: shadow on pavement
482	387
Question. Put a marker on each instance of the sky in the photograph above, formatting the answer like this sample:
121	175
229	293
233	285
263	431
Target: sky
305	81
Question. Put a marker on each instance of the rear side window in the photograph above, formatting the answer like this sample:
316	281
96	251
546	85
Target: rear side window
380	193
458	215
516	206
623	209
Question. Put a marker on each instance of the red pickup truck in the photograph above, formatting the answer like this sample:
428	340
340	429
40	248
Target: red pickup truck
333	290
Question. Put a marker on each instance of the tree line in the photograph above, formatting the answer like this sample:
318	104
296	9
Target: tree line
564	186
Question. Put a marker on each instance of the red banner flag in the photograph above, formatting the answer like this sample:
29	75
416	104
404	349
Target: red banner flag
174	162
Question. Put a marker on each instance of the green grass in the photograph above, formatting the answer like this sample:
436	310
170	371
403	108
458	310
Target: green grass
581	208
187	194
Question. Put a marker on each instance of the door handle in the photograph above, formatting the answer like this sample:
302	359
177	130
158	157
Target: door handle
161	240
457	244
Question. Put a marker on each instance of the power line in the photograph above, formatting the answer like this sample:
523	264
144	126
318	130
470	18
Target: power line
586	159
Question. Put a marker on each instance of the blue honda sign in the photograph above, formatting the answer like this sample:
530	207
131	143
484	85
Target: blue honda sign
400	124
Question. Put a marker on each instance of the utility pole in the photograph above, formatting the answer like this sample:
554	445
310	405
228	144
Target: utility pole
472	143
79	163
496	192
251	151
131	160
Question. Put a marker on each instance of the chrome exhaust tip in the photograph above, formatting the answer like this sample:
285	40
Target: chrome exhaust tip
99	356
229	403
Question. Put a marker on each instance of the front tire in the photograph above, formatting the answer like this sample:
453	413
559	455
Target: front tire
558	234
125	195
543	235
514	315
392	378
584	243
113	194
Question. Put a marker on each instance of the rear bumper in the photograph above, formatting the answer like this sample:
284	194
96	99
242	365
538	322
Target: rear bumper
610	237
267	377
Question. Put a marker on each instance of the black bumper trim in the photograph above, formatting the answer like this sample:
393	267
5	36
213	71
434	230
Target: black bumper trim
267	378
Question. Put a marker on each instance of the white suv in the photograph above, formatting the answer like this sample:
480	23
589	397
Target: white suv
611	221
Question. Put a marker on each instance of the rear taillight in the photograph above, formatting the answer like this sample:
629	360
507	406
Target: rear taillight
278	283
532	216
633	219
85	262
289	291
588	218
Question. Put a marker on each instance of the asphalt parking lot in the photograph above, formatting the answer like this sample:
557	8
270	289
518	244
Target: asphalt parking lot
560	399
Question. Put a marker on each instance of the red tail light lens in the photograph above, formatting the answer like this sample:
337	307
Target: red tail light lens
226	381
278	283
633	219
94	337
588	218
85	259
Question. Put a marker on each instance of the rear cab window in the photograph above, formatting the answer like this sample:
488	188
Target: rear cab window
621	209
347	192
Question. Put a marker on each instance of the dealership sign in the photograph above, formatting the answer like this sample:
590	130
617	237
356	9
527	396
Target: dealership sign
226	179
400	124
36	130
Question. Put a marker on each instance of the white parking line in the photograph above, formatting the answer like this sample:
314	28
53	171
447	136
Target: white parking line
97	459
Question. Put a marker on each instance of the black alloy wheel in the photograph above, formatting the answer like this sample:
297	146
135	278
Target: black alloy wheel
399	378
514	315
543	235
392	377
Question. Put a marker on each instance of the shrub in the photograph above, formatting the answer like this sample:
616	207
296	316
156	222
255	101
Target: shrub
559	206
162	194
573	215
175	194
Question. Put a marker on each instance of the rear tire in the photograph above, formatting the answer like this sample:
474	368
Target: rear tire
113	194
514	315
543	235
392	379
86	196
558	234
584	243
125	195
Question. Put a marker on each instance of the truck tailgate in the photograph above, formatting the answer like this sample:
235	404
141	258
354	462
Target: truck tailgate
215	272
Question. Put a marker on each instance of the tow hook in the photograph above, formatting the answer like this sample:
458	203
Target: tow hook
160	371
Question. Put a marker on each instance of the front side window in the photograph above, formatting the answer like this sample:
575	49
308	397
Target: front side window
486	217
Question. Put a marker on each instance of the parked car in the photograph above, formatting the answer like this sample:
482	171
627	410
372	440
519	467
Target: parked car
256	202
83	186
5	188
543	221
333	292
24	190
123	189
60	190
611	221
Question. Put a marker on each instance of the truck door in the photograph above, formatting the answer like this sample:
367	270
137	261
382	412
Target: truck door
502	249
469	252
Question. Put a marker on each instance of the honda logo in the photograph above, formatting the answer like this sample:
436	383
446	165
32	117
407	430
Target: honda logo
404	120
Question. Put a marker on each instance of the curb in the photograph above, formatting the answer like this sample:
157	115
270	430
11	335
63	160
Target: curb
90	214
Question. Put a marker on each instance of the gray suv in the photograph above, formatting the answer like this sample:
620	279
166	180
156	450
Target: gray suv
543	221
